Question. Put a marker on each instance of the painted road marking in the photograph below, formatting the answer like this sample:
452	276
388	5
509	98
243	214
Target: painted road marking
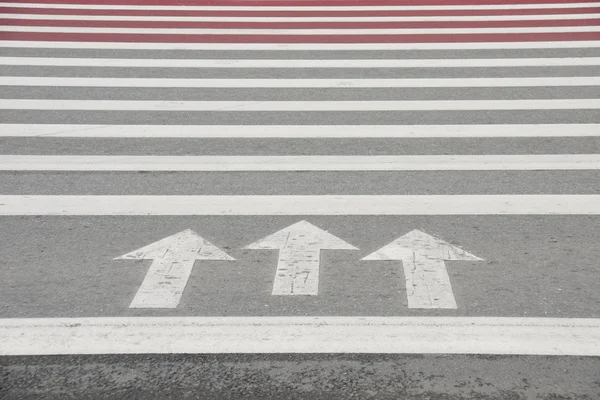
168	18
298	265
422	255
299	131
302	205
526	162
172	261
301	46
307	32
331	24
55	81
320	106
301	63
386	335
306	37
283	7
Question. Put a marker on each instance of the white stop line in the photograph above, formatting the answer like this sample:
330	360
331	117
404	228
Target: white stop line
392	335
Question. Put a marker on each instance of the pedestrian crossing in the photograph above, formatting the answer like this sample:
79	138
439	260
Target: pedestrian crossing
342	90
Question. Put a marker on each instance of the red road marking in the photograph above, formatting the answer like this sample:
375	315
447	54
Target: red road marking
233	38
300	25
274	38
182	12
305	3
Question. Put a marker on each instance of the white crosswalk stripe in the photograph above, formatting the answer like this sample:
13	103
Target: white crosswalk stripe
303	205
485	102
302	163
346	105
293	63
297	83
300	131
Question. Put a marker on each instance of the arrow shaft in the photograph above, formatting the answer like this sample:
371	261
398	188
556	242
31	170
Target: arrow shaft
427	283
164	283
297	272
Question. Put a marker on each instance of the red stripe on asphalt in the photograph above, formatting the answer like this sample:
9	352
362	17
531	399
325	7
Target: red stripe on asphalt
301	25
304	3
304	14
179	38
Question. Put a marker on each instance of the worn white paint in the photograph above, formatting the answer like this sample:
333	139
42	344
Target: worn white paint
173	259
299	131
301	63
385	335
333	18
298	265
302	205
263	106
301	46
526	162
422	255
55	81
299	8
303	32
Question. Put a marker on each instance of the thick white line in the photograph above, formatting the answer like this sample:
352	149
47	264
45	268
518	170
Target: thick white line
258	106
53	81
307	32
298	131
300	46
302	163
302	205
301	63
301	8
46	17
391	335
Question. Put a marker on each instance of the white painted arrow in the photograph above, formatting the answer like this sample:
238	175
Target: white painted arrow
174	258
423	256
299	248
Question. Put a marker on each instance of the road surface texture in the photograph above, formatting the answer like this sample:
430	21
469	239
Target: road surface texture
300	199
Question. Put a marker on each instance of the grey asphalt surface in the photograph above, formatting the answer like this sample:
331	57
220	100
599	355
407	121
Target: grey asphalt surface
299	183
294	94
299	73
255	147
534	266
307	377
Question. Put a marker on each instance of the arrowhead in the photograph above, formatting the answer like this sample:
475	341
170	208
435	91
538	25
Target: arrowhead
422	243
301	234
186	243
